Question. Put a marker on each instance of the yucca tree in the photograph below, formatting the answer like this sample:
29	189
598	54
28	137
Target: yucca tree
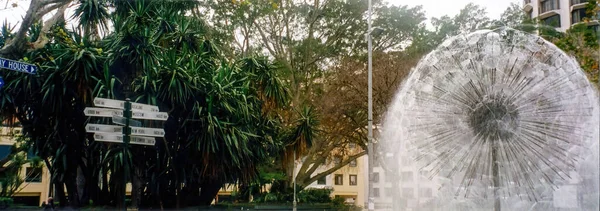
221	124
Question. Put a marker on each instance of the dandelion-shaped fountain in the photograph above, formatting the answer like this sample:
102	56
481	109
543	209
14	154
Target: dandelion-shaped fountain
495	120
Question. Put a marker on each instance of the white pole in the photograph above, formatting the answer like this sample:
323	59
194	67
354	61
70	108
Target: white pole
294	172
370	153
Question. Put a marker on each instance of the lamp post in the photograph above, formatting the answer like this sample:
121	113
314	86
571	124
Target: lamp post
371	157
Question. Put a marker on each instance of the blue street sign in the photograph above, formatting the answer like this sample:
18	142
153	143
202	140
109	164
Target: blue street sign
18	66
1	82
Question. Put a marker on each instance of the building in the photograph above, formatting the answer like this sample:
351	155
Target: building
347	182
35	189
561	14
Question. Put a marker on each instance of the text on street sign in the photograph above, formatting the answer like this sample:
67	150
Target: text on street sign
119	104
18	66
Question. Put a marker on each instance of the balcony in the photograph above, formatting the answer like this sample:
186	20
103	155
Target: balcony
548	8
578	4
528	6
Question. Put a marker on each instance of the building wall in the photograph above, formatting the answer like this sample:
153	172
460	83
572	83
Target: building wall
354	194
563	8
27	189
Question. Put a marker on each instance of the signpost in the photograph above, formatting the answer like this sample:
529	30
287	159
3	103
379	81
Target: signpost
127	130
18	66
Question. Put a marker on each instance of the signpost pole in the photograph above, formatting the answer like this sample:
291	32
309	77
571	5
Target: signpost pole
126	136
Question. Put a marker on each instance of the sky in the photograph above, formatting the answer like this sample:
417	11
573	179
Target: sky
438	8
433	8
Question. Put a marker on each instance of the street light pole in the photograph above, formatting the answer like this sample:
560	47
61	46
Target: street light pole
370	153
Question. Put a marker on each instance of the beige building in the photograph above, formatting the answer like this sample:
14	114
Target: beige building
347	182
35	189
561	14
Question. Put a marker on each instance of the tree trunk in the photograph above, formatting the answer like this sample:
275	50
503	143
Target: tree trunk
72	190
137	184
60	194
81	185
208	192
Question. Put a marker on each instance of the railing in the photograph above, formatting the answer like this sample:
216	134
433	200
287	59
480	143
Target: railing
549	5
574	2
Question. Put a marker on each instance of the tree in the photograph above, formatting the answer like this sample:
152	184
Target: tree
218	131
471	18
514	16
308	40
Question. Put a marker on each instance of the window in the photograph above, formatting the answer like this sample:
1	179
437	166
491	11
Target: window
353	163
375	192
577	16
322	181
425	193
552	21
375	177
339	179
353	179
33	174
549	5
388	192
573	2
407	176
407	193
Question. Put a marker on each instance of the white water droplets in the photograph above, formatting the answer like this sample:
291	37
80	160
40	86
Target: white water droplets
496	113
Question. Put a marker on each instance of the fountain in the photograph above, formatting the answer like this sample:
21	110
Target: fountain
495	120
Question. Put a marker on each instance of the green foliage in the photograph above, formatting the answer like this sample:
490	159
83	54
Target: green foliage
314	195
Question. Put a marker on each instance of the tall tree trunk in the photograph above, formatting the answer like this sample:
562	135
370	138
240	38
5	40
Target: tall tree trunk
72	189
208	192
137	187
81	185
60	194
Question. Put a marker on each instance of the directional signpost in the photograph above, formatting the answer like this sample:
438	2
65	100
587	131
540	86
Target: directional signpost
123	114
127	130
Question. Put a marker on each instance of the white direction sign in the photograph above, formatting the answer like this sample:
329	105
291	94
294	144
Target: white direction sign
142	140
121	121
107	112
143	131
98	128
102	112
119	104
118	138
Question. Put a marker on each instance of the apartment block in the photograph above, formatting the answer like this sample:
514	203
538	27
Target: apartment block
35	189
560	14
347	182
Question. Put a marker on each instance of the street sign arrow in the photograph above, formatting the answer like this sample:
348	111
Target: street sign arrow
119	104
118	138
121	121
102	112
143	131
98	128
109	112
109	137
142	140
149	115
18	66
